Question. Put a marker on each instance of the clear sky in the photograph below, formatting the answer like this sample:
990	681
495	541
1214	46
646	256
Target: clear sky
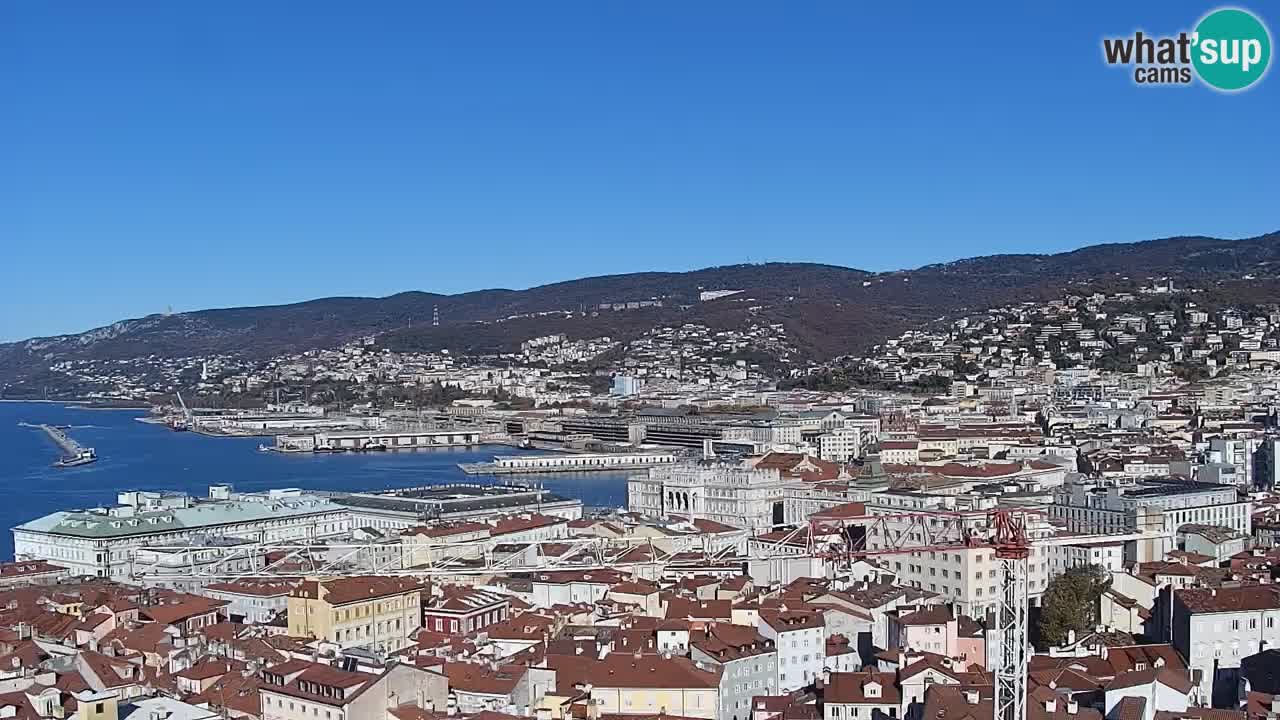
192	155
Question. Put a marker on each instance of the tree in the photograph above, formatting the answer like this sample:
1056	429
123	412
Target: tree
1071	603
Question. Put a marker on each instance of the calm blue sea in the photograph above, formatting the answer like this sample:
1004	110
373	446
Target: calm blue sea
138	456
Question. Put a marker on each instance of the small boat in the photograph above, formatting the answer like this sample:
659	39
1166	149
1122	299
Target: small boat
373	446
263	447
323	449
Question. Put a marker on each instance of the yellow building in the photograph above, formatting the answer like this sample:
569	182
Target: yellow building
379	613
625	684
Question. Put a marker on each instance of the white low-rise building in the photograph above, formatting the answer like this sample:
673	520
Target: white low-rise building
103	542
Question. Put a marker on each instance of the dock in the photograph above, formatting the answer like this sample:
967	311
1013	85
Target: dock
73	453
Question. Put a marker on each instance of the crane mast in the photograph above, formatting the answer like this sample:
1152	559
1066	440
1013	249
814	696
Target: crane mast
1012	551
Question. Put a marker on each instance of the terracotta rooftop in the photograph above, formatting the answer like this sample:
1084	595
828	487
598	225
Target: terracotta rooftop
1250	597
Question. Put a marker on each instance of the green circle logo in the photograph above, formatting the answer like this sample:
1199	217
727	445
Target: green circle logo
1232	49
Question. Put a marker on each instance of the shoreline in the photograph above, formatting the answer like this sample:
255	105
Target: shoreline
78	404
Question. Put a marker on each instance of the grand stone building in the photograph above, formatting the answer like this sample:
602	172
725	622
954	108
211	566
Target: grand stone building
728	493
104	542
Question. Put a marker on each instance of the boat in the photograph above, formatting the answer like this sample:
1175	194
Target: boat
84	457
323	449
263	447
374	446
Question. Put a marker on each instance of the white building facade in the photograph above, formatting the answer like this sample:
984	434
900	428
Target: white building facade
103	542
724	492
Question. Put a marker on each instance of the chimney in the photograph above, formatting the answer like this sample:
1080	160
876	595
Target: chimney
1072	707
1051	706
971	697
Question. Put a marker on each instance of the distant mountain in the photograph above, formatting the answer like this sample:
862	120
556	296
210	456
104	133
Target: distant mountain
826	310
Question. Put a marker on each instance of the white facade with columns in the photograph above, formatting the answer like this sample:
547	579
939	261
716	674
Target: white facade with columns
724	492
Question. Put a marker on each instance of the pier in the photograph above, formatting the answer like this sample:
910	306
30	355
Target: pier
73	453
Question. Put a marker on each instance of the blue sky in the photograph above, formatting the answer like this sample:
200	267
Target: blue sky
157	154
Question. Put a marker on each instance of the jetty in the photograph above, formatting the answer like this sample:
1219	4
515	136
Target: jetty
73	453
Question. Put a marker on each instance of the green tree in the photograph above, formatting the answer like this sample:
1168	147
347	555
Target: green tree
1071	603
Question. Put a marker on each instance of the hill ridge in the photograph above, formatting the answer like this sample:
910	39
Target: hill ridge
826	309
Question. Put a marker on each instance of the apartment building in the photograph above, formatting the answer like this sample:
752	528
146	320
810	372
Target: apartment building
1216	628
460	609
252	601
747	662
302	690
840	445
932	628
644	684
900	452
966	577
32	572
861	696
1106	554
378	613
800	639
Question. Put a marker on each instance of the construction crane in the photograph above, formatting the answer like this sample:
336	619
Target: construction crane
846	539
185	422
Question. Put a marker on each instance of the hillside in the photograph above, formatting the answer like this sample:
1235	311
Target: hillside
827	310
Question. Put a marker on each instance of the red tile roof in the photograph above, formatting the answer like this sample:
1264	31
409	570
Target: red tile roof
1249	597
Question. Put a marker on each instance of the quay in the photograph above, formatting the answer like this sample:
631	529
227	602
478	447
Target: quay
583	462
374	441
73	453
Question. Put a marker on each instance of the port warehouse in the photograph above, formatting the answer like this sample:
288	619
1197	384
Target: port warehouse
103	541
389	440
670	432
584	461
221	421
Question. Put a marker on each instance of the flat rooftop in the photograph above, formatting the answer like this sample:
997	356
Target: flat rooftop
451	499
